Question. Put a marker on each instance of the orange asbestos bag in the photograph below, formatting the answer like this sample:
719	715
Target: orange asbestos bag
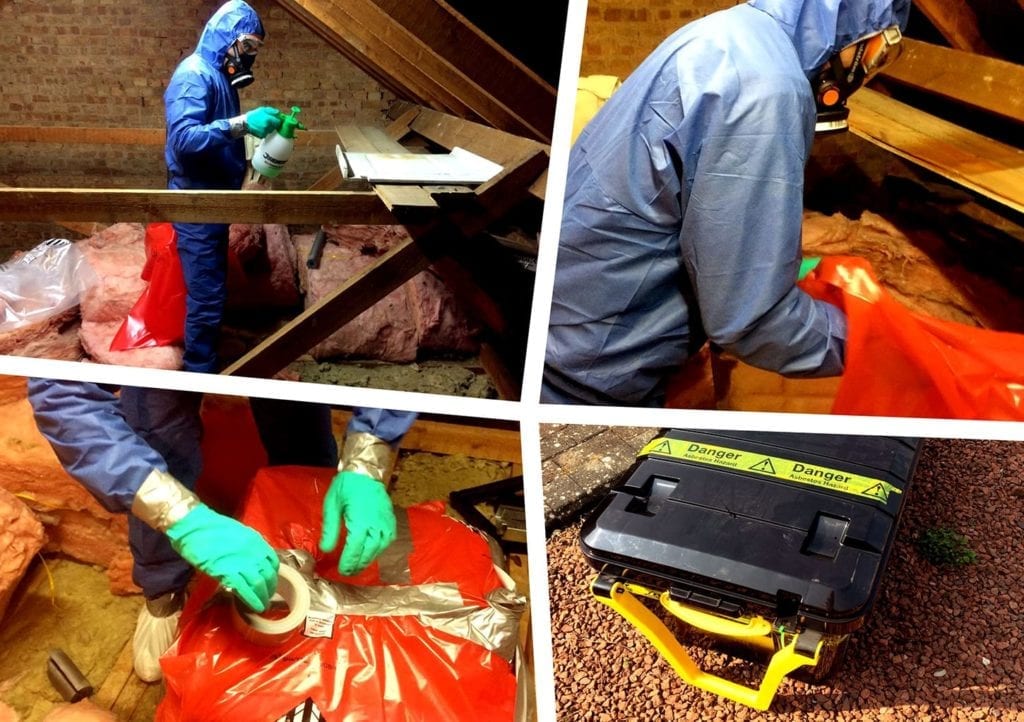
429	631
158	317
902	363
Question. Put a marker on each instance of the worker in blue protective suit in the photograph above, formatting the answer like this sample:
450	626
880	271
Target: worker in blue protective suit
684	201
205	149
139	452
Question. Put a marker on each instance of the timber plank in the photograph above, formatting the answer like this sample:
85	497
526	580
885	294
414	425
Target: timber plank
402	197
438	437
86	229
110	205
986	83
367	139
980	164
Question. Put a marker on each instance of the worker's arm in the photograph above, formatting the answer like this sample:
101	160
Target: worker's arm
95	444
358	494
741	236
188	131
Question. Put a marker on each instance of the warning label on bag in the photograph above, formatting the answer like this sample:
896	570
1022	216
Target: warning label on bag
799	472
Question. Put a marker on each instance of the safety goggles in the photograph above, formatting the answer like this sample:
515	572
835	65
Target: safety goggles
249	44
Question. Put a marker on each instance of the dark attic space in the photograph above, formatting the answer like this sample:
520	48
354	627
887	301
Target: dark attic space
402	280
925	185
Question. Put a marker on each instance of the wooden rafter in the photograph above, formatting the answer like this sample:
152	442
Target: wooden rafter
978	163
409	66
957	23
986	83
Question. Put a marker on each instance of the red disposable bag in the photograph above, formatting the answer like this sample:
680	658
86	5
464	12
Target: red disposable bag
902	363
375	667
158	317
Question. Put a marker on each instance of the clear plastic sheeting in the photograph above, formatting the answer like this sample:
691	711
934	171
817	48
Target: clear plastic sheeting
439	646
44	282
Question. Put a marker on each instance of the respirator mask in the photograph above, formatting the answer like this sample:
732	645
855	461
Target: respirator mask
836	82
239	59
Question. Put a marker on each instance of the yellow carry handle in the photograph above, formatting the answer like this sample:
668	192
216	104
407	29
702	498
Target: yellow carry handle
619	596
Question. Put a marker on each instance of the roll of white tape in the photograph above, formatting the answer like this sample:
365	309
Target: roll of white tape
270	628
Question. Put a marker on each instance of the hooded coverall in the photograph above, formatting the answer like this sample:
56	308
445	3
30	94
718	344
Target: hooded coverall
201	154
111	445
684	202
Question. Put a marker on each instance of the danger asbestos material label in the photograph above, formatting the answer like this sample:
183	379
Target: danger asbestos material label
799	472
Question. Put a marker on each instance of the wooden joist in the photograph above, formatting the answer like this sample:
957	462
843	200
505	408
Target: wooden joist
145	206
406	64
993	169
985	83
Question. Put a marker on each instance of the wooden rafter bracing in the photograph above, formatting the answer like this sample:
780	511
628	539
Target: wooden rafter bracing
957	23
409	66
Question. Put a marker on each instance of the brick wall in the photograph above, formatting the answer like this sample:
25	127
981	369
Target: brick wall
105	63
621	33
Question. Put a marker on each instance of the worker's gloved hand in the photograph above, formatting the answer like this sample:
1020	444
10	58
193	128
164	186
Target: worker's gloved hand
369	520
235	555
262	121
807	265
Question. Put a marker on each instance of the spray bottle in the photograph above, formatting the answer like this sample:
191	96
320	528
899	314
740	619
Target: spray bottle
274	150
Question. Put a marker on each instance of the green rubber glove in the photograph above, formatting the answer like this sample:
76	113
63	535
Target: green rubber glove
369	520
235	555
808	265
263	121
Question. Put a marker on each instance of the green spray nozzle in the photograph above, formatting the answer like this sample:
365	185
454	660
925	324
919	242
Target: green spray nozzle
290	123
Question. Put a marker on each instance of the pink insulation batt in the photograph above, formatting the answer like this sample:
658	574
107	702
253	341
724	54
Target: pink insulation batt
422	314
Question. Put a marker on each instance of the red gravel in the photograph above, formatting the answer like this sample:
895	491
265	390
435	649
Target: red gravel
942	643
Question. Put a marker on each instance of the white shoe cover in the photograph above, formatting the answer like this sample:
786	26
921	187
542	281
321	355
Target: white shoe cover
153	637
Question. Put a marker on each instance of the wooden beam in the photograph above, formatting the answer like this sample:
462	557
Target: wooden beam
986	83
122	136
399	57
145	206
486	63
978	163
957	23
86	229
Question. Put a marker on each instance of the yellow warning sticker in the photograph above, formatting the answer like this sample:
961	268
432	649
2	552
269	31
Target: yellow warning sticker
799	472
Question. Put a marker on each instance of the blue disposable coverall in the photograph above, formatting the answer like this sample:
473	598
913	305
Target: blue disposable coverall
111	445
683	207
201	154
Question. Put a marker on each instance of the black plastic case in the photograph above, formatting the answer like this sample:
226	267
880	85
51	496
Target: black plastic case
742	542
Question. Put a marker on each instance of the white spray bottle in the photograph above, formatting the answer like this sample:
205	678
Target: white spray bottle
274	150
